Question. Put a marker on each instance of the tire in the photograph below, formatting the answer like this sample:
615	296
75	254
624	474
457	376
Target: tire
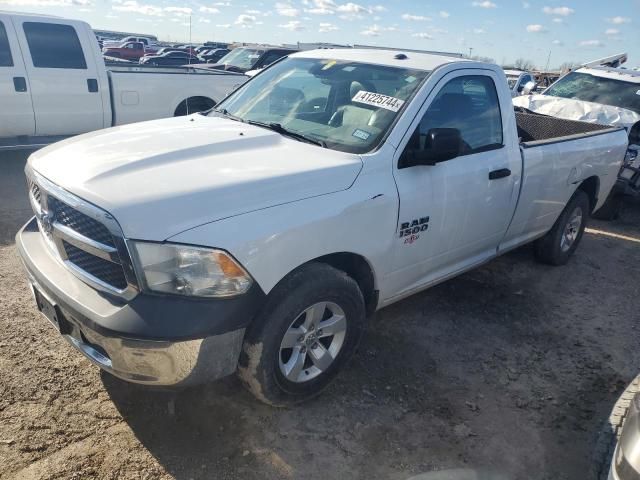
554	248
264	362
610	433
611	208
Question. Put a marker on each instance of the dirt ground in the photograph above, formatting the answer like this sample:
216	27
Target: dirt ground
511	369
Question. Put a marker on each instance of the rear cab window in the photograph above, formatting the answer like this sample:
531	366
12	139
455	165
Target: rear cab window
6	60
53	45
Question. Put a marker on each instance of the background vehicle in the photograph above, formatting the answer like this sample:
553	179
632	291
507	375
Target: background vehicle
520	83
128	51
244	59
617	456
604	95
174	58
334	183
213	56
147	42
54	83
161	51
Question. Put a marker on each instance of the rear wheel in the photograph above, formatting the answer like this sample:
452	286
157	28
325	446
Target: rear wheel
310	326
557	246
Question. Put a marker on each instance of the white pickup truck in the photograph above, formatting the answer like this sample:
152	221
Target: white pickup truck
520	82
261	236
54	84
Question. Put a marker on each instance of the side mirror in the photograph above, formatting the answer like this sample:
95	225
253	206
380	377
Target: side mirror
441	144
528	88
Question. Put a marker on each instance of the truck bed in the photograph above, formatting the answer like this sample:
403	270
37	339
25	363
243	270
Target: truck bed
558	153
535	129
130	67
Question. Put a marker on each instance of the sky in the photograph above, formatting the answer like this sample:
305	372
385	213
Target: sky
570	31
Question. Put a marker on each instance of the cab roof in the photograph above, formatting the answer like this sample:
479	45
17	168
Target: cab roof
28	14
417	61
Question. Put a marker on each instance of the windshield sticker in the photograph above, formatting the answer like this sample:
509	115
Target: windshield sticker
329	64
361	134
378	100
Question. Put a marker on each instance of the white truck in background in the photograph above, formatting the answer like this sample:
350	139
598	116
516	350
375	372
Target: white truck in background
260	236
520	82
601	94
54	84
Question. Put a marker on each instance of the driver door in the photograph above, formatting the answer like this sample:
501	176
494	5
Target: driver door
453	214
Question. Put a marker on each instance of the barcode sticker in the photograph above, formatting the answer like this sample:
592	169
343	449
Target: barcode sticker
378	100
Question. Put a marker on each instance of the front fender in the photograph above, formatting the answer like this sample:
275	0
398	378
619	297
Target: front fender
274	241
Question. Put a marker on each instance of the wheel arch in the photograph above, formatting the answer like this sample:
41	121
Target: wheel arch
591	186
358	268
200	100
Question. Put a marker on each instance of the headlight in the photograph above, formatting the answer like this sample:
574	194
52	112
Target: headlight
189	271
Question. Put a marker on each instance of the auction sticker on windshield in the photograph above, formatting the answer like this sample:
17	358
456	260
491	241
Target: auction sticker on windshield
378	100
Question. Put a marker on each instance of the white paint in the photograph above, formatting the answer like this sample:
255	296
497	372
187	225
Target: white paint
572	109
275	203
58	101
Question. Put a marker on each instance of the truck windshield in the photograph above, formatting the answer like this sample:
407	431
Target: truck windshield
512	81
243	58
345	106
590	88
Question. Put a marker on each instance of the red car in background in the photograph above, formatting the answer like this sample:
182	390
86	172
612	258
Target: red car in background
127	51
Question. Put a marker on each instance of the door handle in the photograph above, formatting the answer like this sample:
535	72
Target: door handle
92	84
20	84
502	173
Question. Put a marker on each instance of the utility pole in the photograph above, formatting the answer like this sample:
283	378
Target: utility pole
470	51
548	60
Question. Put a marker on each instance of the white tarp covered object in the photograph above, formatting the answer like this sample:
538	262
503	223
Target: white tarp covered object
571	109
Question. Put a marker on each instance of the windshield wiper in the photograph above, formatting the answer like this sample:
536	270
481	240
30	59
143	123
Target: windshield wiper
230	116
277	127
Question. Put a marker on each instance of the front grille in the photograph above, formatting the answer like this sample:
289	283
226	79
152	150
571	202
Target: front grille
79	222
84	237
104	270
35	191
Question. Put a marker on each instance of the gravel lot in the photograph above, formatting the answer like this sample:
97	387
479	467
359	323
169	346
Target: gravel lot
511	368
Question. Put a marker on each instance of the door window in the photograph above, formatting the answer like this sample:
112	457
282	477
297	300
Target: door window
469	104
53	45
5	51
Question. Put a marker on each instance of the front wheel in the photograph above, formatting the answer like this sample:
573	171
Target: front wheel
561	241
310	326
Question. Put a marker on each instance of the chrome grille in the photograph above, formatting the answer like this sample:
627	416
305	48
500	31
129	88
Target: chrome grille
85	238
79	222
108	272
35	191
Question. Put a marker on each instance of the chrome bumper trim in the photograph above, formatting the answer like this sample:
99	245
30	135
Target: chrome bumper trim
170	364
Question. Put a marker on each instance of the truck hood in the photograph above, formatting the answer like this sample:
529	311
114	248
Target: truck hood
571	109
162	177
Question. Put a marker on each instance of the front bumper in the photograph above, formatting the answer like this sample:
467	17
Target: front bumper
152	339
